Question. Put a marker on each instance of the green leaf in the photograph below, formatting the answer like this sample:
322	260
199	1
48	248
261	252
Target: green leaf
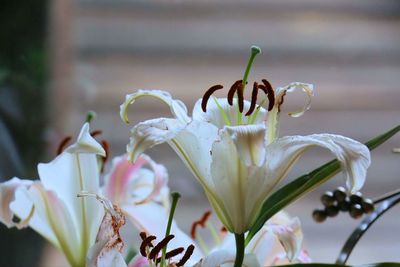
304	184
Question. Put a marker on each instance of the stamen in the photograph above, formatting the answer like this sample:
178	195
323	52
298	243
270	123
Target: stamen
172	253
232	91
253	99
96	133
186	256
63	144
154	252
223	229
269	91
146	243
207	95
202	222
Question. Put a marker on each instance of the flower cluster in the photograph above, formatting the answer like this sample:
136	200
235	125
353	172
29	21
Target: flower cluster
233	148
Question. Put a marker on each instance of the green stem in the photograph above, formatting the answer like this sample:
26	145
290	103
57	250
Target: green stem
239	250
175	196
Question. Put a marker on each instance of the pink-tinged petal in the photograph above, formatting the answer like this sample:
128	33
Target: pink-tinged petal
51	219
117	180
281	258
7	195
304	257
139	261
225	258
124	173
290	236
108	246
160	179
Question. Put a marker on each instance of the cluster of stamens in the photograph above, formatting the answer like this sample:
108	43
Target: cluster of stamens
334	202
238	89
104	143
152	252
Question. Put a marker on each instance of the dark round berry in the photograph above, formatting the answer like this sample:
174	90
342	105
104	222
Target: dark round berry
368	205
332	211
356	198
328	199
356	211
344	205
319	216
340	194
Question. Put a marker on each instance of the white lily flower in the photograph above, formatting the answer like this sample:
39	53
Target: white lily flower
51	207
238	160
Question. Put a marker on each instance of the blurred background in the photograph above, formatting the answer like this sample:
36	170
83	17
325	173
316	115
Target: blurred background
61	58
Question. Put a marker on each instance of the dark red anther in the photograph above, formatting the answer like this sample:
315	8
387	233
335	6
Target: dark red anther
63	144
186	256
143	235
96	133
269	91
253	99
233	90
154	252
208	94
146	243
202	222
172	253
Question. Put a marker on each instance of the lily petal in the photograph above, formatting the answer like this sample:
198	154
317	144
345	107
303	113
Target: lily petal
86	144
193	146
354	156
7	195
305	87
177	107
51	218
153	132
73	171
250	143
290	236
239	188
69	174
225	258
